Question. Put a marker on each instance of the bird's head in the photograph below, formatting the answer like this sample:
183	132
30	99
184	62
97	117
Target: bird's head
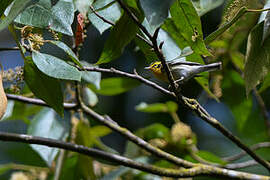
155	67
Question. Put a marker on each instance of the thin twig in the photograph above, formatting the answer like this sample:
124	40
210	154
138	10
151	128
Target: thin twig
177	173
243	153
240	165
37	101
129	75
10	49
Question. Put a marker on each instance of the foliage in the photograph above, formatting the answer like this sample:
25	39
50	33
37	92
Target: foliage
55	71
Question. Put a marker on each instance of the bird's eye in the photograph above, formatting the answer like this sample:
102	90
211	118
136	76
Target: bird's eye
159	65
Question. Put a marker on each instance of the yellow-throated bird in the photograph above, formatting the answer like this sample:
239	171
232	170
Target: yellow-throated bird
182	70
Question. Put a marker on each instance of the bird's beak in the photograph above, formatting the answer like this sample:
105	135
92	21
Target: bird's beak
147	67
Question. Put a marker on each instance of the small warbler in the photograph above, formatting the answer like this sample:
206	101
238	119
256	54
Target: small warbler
182	71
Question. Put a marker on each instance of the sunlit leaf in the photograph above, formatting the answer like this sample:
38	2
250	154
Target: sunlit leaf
204	6
91	76
157	107
188	24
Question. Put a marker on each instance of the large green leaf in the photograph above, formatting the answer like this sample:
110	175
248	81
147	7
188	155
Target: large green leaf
17	7
121	34
44	87
257	58
48	124
156	11
69	51
188	24
206	155
114	86
54	67
58	18
107	9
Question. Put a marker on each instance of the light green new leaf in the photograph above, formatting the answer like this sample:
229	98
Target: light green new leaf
69	51
54	67
169	106
47	124
89	97
114	86
257	58
44	87
188	24
121	34
17	7
210	157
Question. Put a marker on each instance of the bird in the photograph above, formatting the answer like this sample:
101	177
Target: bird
182	71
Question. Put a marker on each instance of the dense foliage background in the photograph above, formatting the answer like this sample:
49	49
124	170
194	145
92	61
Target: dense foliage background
62	52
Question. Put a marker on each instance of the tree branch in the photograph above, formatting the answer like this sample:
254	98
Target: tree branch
243	153
37	101
191	103
177	173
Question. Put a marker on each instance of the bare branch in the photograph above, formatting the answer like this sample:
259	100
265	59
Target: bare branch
37	101
243	153
177	173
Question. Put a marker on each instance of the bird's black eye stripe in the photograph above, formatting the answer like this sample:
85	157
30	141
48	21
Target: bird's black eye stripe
159	65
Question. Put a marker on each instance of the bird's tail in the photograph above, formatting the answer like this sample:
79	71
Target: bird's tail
211	67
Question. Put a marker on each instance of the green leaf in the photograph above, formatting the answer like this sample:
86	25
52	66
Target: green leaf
121	34
83	5
55	67
99	131
157	107
17	7
154	131
3	5
188	24
156	11
59	17
114	86
69	51
89	97
257	58
44	87
91	76
266	83
210	157
48	124
9	110
107	9
204	6
5	168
